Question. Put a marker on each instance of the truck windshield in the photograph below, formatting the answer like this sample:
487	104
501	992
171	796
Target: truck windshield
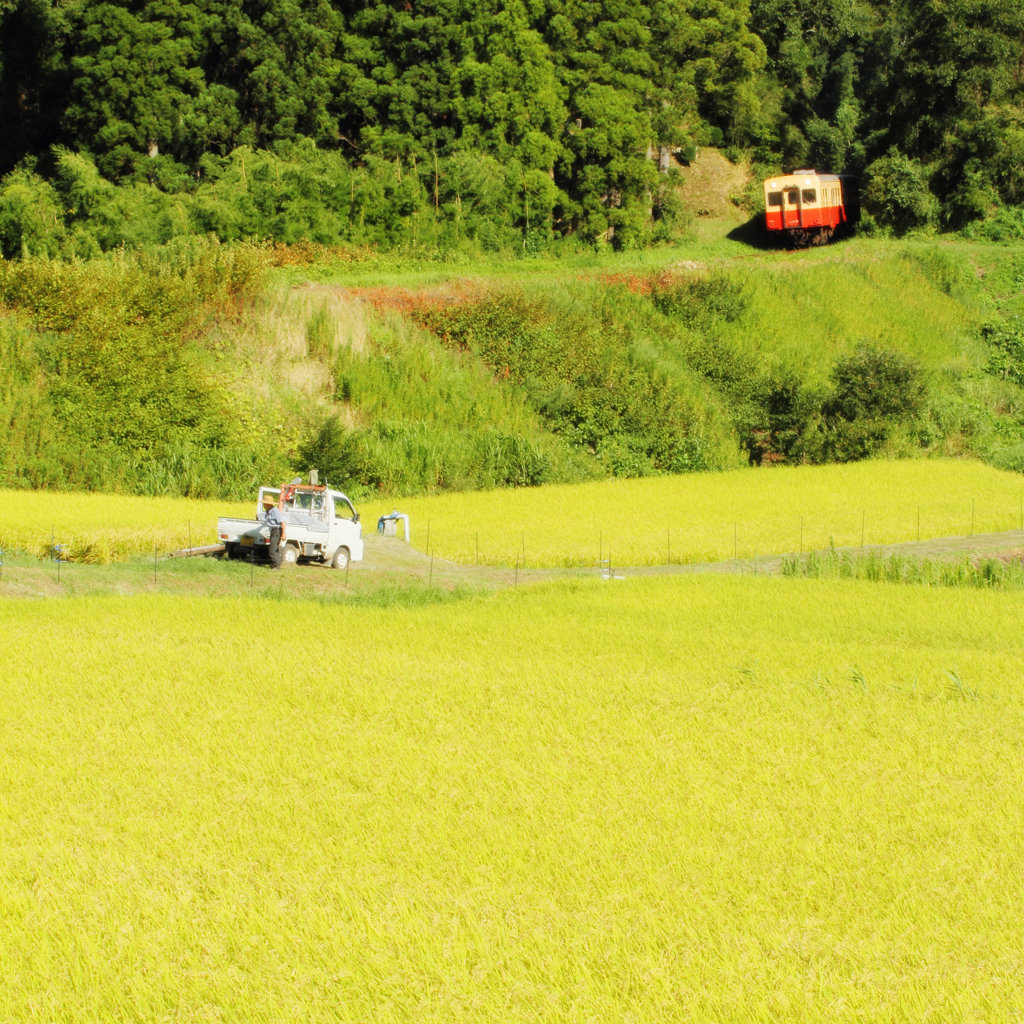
343	508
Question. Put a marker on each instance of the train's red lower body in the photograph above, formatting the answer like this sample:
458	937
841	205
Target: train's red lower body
811	226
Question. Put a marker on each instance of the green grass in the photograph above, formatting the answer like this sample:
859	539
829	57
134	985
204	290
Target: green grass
990	573
262	356
689	799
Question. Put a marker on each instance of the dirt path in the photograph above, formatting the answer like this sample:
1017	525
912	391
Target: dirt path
390	564
389	561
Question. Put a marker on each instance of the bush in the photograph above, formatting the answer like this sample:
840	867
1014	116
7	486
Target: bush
1010	458
1005	338
337	454
873	391
785	421
1006	224
896	194
31	218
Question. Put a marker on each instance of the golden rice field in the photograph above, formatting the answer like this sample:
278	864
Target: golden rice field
652	521
107	527
717	516
676	799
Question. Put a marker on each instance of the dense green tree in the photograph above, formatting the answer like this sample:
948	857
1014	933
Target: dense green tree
275	61
949	91
135	84
508	121
396	73
705	49
33	80
817	51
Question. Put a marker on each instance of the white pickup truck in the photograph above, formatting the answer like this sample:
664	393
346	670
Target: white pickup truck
320	525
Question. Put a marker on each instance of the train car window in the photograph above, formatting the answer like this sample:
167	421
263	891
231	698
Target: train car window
810	195
792	196
774	198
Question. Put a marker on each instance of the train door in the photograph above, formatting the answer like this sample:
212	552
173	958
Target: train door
791	206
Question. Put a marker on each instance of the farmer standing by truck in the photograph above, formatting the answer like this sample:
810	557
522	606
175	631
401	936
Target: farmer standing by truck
272	517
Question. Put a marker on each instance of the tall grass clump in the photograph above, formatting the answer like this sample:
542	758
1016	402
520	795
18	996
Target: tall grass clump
104	383
988	573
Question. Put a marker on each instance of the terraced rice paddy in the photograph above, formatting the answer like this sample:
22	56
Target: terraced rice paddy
718	516
651	521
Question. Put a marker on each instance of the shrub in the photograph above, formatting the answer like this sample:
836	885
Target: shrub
31	219
1005	224
1005	338
896	193
337	454
873	390
877	384
785	420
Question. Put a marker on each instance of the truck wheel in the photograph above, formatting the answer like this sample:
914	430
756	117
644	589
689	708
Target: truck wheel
290	555
340	559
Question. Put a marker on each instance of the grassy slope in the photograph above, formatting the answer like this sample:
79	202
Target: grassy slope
800	313
339	339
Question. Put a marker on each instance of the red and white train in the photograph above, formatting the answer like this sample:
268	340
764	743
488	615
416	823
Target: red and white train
808	208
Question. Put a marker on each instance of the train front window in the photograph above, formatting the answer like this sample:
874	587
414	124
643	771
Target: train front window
792	197
774	198
810	195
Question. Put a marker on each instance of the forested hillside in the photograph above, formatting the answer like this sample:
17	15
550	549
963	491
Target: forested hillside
513	125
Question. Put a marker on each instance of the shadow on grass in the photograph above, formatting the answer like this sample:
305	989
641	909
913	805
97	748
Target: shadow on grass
753	233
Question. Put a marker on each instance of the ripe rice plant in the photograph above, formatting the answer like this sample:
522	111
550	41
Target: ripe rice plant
728	799
108	527
718	516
